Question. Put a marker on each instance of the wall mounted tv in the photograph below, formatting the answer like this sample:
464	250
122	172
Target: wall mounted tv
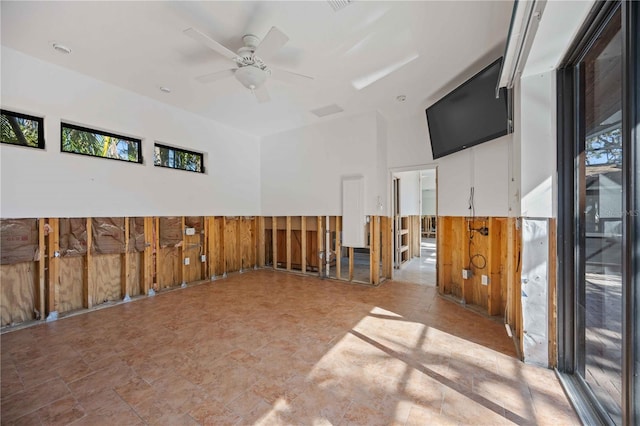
469	115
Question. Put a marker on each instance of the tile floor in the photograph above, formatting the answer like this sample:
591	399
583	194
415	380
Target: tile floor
275	348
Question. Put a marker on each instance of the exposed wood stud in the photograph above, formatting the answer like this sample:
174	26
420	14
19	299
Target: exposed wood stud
493	267
303	243
53	272
274	240
374	252
156	256
320	241
181	253
288	230
338	247
350	263
553	307
125	270
387	247
261	242
204	240
41	268
87	295
147	255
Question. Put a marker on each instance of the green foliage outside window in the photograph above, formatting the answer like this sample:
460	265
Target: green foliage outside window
84	141
176	158
21	129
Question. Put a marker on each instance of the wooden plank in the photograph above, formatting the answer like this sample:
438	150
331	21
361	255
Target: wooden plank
288	229
210	237
351	263
87	295
370	240
261	242
70	289
204	238
41	269
126	272
493	264
148	269
53	258
387	247
303	243
182	254
320	242
18	287
105	283
374	253
338	247
254	241
156	257
553	307
274	240
135	275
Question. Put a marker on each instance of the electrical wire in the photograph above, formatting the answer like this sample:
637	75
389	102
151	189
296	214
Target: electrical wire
473	263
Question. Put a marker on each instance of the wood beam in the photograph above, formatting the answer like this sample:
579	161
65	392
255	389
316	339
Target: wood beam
41	268
494	301
288	224
147	256
303	243
338	247
260	230
204	241
374	252
156	257
274	240
87	291
387	247
350	263
320	240
125	270
53	272
181	254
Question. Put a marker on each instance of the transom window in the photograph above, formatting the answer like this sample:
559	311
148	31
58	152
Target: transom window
96	143
177	158
22	129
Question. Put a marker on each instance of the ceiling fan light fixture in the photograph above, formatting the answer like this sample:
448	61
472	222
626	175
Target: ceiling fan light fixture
251	77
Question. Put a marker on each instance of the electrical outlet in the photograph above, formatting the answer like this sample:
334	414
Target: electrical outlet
466	274
203	258
485	280
186	261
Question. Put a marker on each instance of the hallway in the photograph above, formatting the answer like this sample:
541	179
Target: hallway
274	348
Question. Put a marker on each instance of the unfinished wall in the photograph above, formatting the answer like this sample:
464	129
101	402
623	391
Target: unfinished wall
66	185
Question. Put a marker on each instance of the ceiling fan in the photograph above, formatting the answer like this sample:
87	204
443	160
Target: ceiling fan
250	69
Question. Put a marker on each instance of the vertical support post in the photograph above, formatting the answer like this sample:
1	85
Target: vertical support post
385	228
261	242
320	249
327	247
553	305
493	266
53	273
350	263
223	256
147	256
288	224
374	252
338	246
204	241
254	240
125	273
239	228
274	240
182	251
303	243
211	261
41	268
156	266
87	295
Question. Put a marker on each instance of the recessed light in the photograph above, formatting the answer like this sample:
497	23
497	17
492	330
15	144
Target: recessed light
61	48
165	89
401	98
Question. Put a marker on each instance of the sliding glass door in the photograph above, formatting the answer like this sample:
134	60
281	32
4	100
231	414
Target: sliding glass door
597	311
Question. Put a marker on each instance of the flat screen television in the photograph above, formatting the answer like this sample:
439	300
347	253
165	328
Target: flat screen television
470	114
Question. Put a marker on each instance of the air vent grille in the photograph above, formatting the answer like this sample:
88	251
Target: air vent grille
339	4
327	110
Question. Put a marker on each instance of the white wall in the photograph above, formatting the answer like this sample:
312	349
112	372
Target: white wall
429	202
485	167
410	196
48	183
302	169
538	145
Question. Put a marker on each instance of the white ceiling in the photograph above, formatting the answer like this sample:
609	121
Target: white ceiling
140	46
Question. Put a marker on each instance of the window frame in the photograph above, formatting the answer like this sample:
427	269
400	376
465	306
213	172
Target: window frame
39	120
64	125
186	151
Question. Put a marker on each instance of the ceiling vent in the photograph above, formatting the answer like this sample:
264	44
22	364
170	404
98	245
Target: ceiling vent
337	5
327	110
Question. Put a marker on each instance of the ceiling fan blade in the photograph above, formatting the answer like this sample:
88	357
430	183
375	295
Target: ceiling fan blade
271	43
289	77
210	43
262	95
218	75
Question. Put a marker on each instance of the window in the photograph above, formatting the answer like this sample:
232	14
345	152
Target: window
176	158
21	129
80	140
